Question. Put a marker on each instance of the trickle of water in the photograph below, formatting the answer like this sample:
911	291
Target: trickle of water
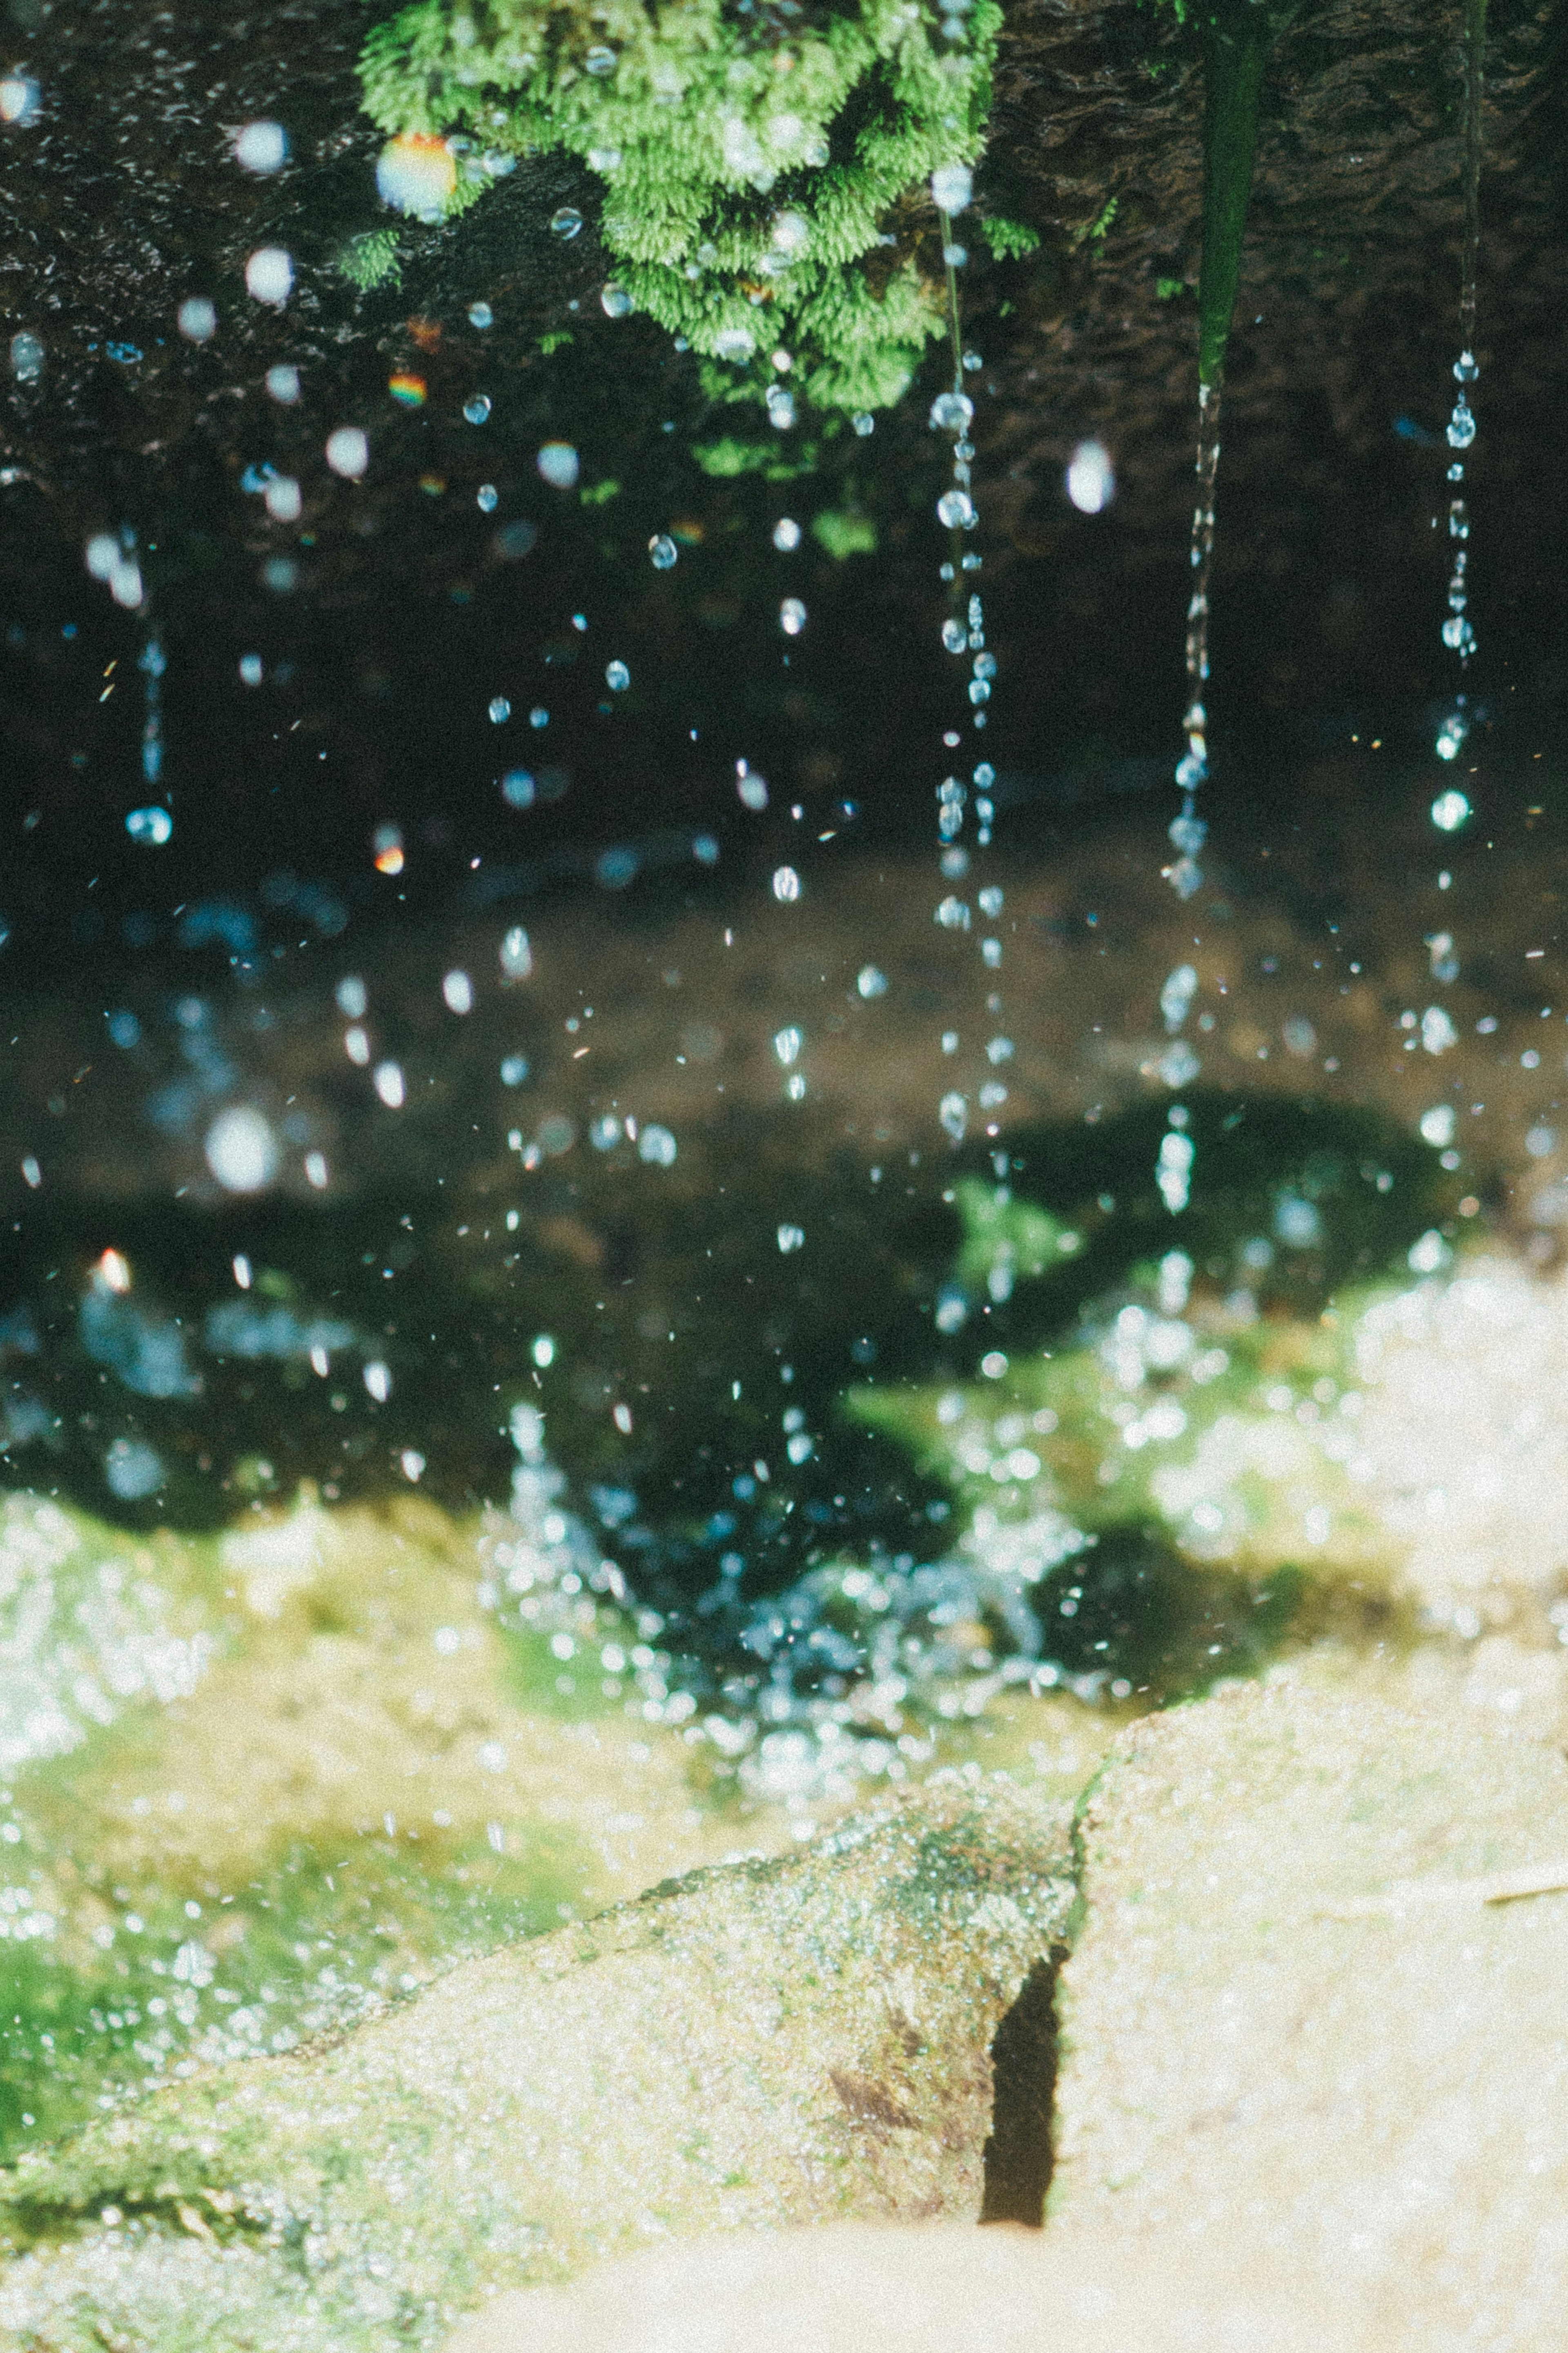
1458	629
1187	831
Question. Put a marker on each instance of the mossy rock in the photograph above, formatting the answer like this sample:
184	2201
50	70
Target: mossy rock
764	2043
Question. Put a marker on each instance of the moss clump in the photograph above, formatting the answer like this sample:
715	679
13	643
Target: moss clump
371	260
761	164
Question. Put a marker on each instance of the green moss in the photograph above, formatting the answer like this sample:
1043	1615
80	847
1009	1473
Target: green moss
764	172
844	533
371	260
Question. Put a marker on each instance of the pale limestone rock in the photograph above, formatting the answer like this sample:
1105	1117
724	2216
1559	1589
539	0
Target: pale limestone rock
1295	2034
932	2288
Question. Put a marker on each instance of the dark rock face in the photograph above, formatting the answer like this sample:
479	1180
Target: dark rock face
405	610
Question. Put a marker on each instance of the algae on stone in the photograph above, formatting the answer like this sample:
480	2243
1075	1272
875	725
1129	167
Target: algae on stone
764	2043
259	1784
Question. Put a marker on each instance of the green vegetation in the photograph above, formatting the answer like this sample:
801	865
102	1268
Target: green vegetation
843	532
764	167
1157	1452
1238	35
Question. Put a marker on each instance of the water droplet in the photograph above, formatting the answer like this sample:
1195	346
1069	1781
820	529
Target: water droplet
617	677
196	319
788	1045
614	300
27	357
389	1084
378	1381
458	990
150	826
1438	1125
1465	368
488	498
792	616
786	883
19	100
787	535
1438	1031
132	1470
518	788
870	982
241	1150
284	499
954	637
269	275
567	221
953	1113
348	452
1429	1254
662	551
955	508
752	789
480	315
516	955
1461	425
735	344
476	408
1176	996
1090	477
261	148
951	412
657	1146
251	669
1187	833
952	187
282	384
417	173
600	60
352	996
559	463
864	423
791	1237
499	709
780	408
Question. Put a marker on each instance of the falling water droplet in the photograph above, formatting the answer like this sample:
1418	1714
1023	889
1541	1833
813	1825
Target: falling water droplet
662	551
269	275
566	222
1090	477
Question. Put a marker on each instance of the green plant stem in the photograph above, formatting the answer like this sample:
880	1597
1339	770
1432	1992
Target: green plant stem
1239	38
